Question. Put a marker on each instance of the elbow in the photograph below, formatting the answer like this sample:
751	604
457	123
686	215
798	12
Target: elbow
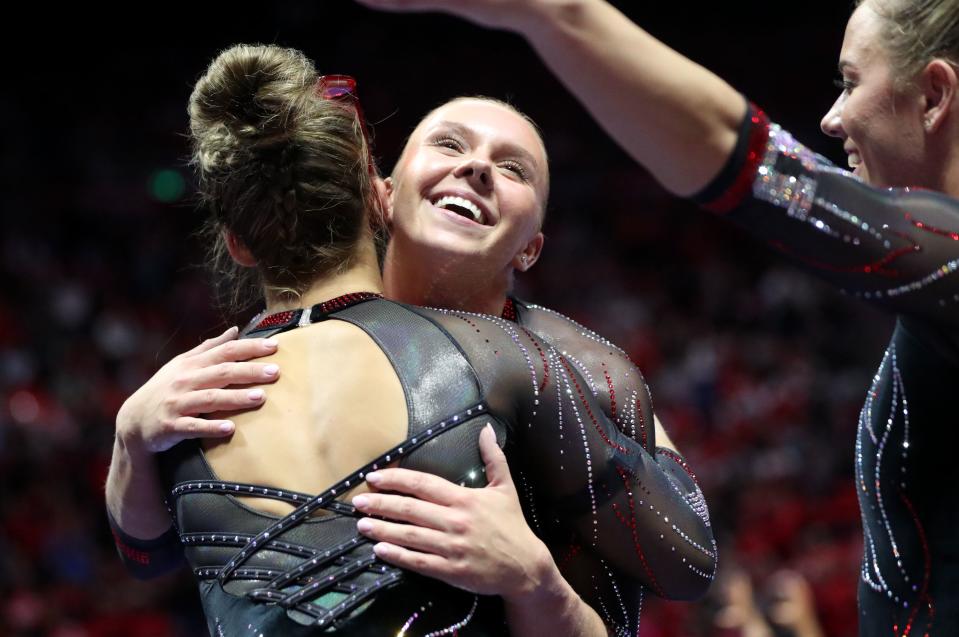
698	583
690	569
690	580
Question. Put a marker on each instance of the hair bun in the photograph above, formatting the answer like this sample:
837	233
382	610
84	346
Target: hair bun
252	91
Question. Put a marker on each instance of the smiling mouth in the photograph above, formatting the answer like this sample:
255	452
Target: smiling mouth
853	160
462	207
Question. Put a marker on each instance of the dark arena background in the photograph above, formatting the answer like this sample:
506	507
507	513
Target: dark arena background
757	371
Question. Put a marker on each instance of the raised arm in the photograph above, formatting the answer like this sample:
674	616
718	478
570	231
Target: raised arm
897	248
673	116
699	138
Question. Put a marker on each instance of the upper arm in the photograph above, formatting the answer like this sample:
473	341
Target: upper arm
611	376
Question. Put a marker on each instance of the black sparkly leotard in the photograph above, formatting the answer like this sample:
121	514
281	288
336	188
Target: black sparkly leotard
620	389
899	249
595	496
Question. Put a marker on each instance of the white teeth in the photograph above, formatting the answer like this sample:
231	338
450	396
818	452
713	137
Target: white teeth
853	160
462	203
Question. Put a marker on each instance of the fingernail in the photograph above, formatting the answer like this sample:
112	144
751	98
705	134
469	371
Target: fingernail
365	525
233	330
270	343
361	501
373	477
382	549
255	394
271	370
226	426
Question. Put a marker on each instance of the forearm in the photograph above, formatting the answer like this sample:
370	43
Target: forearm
147	544
673	116
553	609
134	492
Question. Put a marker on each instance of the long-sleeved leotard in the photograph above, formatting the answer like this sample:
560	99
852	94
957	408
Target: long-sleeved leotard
620	389
899	249
591	487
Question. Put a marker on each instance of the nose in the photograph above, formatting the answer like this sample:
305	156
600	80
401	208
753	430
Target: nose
831	123
477	171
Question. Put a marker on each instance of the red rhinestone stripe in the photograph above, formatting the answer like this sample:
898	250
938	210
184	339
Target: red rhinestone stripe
631	524
876	267
275	320
589	411
755	152
509	311
925	226
669	453
282	319
642	424
542	357
612	394
927	568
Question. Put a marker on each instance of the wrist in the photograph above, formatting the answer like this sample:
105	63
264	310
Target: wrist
543	584
129	434
130	449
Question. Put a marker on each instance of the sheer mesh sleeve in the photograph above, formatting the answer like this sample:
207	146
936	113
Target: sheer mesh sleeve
898	248
592	492
615	381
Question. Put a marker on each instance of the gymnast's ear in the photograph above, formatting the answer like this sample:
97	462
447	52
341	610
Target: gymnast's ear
384	189
939	85
530	253
238	250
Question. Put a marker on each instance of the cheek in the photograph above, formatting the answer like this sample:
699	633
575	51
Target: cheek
529	220
856	118
877	117
520	205
405	201
425	169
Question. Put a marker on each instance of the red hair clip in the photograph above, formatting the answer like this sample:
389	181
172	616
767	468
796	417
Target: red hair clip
331	87
343	87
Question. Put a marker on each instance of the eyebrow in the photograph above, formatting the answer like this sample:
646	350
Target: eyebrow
512	149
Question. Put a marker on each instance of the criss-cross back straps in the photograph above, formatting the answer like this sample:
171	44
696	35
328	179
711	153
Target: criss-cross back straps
321	500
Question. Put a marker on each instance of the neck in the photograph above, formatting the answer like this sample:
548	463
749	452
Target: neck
361	275
950	178
940	170
453	283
